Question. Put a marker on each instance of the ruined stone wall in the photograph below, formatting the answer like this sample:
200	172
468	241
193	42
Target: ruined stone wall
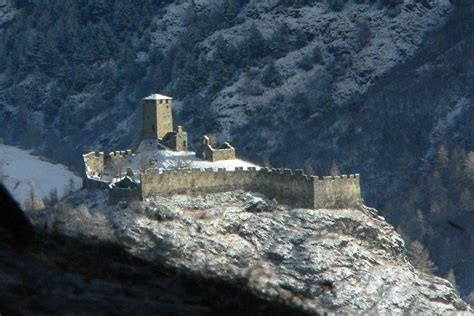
94	163
286	186
177	140
181	141
117	160
222	154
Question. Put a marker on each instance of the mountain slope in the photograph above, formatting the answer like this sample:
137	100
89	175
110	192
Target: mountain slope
376	87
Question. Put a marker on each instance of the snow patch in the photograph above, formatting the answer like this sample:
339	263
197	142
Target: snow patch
19	169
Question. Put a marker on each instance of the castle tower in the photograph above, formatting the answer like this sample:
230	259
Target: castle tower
157	112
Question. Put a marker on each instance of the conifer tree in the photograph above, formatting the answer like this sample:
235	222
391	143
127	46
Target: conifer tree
271	76
279	43
255	44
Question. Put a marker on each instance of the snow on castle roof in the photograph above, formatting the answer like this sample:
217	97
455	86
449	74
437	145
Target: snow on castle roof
157	97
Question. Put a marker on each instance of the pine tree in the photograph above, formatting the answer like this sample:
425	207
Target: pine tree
71	186
255	44
305	63
317	55
271	76
279	44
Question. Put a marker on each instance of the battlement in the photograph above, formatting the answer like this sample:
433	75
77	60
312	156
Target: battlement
291	187
96	163
121	153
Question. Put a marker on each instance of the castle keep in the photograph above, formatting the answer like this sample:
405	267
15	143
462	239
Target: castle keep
133	176
157	115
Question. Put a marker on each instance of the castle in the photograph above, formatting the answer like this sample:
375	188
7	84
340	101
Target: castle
136	175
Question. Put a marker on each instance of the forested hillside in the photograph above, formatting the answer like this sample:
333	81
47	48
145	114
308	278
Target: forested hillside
376	87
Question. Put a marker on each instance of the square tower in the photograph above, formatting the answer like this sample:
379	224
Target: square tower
157	112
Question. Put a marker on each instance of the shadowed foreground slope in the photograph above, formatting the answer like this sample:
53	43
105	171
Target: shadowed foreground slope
44	275
340	261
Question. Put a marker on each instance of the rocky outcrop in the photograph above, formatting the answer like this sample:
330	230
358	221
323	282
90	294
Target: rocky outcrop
341	261
43	274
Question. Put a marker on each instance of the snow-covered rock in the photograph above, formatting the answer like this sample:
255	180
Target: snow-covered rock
339	261
169	159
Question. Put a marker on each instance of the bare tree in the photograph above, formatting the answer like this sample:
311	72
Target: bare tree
33	202
419	257
309	170
335	170
144	162
451	278
469	164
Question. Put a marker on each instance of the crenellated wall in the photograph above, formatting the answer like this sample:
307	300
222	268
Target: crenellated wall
117	159
337	192
286	186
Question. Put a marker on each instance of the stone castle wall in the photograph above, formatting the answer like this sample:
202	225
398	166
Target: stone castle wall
222	154
118	159
336	192
207	152
286	186
94	163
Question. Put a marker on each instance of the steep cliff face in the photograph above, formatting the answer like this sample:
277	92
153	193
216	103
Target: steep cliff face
342	261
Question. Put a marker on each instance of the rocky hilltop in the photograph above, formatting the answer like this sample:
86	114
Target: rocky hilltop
338	261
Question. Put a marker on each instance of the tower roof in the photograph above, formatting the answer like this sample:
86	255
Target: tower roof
157	97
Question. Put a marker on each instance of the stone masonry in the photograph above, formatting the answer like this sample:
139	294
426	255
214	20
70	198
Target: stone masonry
286	186
157	116
207	152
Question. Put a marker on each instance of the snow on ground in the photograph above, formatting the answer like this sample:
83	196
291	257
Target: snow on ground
168	159
19	170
